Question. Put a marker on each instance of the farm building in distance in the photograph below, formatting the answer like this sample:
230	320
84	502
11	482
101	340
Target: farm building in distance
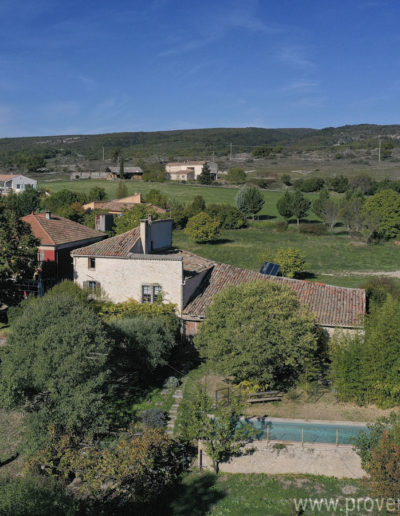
140	264
110	173
15	183
188	170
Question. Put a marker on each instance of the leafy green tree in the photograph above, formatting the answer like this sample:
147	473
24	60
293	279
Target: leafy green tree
35	163
55	365
291	260
284	206
385	206
205	178
195	207
36	496
135	469
350	213
18	253
97	193
24	203
228	216
286	179
202	228
249	200
330	212
131	217
280	343
157	198
122	190
300	206
63	199
363	183
338	184
154	172
262	151
236	175
223	434
143	344
318	204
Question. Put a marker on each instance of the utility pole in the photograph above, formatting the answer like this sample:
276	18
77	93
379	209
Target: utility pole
230	154
379	151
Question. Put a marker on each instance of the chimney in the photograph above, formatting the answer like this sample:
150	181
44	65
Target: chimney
48	215
145	235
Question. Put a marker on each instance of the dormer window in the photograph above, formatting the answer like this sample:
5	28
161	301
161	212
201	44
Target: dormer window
92	263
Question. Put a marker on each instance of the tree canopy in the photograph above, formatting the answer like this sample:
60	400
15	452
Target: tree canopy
385	207
281	339
249	200
202	228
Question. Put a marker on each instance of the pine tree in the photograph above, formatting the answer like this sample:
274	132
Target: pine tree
284	206
300	205
205	177
122	190
121	168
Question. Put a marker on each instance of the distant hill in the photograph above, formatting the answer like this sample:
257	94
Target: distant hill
191	143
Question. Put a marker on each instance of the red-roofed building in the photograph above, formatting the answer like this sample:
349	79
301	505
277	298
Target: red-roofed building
140	263
58	237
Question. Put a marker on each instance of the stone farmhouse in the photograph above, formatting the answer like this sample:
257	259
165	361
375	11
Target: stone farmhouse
110	173
188	170
15	183
58	237
141	263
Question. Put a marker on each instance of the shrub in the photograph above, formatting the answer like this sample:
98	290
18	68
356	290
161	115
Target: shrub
281	226
377	289
202	228
236	175
228	216
153	418
286	179
171	383
291	260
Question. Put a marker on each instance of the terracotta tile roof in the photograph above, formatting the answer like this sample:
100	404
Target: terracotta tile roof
185	163
119	246
7	177
333	306
58	230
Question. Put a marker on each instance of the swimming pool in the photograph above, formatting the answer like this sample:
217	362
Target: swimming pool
311	432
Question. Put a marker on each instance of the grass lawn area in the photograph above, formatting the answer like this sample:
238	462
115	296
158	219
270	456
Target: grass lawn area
260	494
331	258
179	192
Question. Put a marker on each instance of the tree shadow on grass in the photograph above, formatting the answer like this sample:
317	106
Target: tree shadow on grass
305	275
265	217
220	241
196	496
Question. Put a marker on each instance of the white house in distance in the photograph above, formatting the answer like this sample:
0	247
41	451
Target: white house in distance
15	183
140	264
187	170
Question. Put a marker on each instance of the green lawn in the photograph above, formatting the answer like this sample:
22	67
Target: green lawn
179	192
328	256
259	494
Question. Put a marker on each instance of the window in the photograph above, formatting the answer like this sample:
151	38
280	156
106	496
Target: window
18	187
92	263
150	293
146	294
92	287
156	292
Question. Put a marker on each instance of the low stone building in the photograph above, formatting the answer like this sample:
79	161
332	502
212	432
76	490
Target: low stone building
187	170
16	183
141	263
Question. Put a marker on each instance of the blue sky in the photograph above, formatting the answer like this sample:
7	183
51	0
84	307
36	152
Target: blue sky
97	66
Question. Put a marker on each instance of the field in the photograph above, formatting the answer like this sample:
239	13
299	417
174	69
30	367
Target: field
332	258
263	495
178	192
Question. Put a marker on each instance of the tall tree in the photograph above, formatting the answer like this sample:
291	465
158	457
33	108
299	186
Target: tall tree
280	343
300	206
121	168
122	190
18	253
249	200
284	206
55	365
205	178
330	212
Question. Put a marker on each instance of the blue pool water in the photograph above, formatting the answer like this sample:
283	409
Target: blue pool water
313	432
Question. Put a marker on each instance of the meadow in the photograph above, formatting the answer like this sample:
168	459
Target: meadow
331	258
